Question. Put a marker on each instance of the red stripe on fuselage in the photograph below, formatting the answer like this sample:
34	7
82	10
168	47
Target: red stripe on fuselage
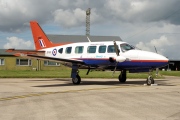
130	60
149	60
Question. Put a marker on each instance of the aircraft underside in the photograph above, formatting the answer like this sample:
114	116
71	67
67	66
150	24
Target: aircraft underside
132	67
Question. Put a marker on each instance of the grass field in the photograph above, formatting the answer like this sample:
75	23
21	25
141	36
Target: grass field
170	73
65	73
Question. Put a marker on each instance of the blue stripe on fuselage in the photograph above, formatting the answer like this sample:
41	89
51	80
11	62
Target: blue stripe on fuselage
125	65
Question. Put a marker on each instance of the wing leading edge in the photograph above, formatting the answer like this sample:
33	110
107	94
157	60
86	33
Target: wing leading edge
57	59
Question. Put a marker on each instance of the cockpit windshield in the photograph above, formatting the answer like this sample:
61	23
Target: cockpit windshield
125	47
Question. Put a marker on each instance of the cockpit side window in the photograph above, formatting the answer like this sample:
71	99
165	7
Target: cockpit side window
125	47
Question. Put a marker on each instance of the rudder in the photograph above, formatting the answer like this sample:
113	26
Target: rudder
41	41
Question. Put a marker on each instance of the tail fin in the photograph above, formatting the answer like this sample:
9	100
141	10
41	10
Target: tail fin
41	41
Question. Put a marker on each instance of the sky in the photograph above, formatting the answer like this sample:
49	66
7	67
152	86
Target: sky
141	23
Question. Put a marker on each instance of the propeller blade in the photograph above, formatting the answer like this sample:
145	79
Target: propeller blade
114	69
116	48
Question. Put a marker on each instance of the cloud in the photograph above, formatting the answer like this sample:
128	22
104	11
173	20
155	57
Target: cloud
18	43
141	22
74	18
15	14
144	11
69	18
161	44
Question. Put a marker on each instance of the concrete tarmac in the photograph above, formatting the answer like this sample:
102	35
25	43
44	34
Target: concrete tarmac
93	99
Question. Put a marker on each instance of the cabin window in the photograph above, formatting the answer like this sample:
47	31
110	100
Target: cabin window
68	50
79	49
60	50
111	49
102	49
91	49
1	61
23	62
51	63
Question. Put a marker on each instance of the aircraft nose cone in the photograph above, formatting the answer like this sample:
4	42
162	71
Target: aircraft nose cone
156	60
161	58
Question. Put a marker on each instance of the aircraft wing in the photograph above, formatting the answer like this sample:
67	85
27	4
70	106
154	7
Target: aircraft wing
57	59
40	55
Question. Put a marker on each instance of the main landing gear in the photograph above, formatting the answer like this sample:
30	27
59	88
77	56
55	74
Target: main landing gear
76	79
122	76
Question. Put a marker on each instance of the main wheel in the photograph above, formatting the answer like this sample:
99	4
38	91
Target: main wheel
122	76
76	80
150	80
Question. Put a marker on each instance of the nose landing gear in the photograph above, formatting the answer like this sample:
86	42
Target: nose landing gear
150	80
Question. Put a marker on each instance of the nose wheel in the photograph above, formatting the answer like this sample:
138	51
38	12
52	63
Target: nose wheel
150	80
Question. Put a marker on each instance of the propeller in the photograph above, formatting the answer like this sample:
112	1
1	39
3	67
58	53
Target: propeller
118	58
117	53
116	48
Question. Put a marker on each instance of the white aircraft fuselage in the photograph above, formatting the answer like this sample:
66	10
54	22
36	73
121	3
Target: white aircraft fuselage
134	58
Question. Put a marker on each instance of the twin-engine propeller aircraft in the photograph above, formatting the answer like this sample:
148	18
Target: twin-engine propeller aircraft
111	55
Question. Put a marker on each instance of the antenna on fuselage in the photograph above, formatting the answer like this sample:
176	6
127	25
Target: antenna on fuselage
155	49
88	39
157	69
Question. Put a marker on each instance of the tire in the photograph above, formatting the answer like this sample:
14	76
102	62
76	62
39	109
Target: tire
122	76
76	80
150	80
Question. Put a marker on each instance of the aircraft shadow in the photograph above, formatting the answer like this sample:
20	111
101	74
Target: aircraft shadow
111	83
50	80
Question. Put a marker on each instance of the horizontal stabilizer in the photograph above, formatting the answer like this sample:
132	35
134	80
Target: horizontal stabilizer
20	51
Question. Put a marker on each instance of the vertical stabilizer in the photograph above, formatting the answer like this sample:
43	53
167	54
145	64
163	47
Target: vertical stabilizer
41	41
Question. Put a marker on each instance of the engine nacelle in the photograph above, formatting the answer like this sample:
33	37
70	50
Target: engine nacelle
120	59
112	60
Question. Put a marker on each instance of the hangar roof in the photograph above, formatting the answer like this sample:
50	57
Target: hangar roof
4	53
81	38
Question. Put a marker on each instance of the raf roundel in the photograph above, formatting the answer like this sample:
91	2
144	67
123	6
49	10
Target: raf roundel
54	52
